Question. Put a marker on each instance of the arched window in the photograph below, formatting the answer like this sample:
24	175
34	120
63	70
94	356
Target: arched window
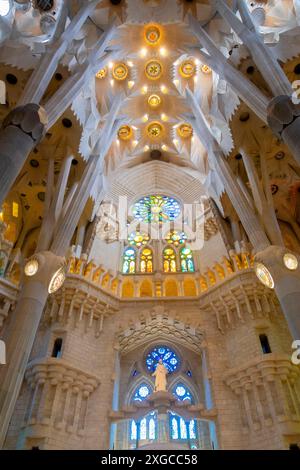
186	260
129	261
170	359
146	261
57	348
147	428
169	258
180	429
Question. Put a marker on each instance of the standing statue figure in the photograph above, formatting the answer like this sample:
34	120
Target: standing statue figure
160	375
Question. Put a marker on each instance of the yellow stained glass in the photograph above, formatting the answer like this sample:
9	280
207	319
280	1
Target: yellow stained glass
15	209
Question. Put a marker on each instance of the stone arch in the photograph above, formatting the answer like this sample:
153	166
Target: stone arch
146	288
128	289
189	287
171	288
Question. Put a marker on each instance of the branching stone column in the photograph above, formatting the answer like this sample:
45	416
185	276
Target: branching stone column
21	131
280	113
22	332
286	282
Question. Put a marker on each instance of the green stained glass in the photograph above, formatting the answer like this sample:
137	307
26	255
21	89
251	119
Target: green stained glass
157	209
129	259
186	260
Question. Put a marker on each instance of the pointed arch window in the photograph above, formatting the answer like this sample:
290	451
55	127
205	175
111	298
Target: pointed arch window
146	261
129	261
169	259
187	260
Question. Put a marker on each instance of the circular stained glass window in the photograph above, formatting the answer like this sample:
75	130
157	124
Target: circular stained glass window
182	393
142	392
168	356
157	209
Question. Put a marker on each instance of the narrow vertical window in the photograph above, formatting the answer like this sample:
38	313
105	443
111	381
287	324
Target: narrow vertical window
57	348
265	345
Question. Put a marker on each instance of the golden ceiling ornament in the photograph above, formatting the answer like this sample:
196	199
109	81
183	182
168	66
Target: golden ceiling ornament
152	35
154	130
185	130
125	132
153	69
120	71
101	73
187	68
206	69
154	101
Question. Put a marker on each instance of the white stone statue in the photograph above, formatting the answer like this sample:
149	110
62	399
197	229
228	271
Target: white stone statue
160	375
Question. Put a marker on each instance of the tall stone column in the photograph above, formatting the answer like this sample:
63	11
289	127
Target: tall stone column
286	284
115	398
21	131
22	332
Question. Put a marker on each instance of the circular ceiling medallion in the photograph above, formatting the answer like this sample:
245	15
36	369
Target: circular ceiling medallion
290	261
102	73
154	129
185	130
125	132
153	69
120	71
31	267
152	35
187	69
206	69
154	101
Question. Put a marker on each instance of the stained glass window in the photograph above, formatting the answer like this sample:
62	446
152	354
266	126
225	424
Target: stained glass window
138	239
182	393
129	261
176	238
152	428
146	261
174	429
147	428
183	431
186	260
170	359
143	429
142	392
157	209
133	431
178	427
192	429
169	256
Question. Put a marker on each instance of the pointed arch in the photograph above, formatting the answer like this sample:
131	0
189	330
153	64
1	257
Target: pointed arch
169	260
187	260
146	260
129	260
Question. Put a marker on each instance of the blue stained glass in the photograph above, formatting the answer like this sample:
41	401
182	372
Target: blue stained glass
182	393
169	358
142	392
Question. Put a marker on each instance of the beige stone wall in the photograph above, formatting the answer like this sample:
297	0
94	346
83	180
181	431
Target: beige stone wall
71	398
